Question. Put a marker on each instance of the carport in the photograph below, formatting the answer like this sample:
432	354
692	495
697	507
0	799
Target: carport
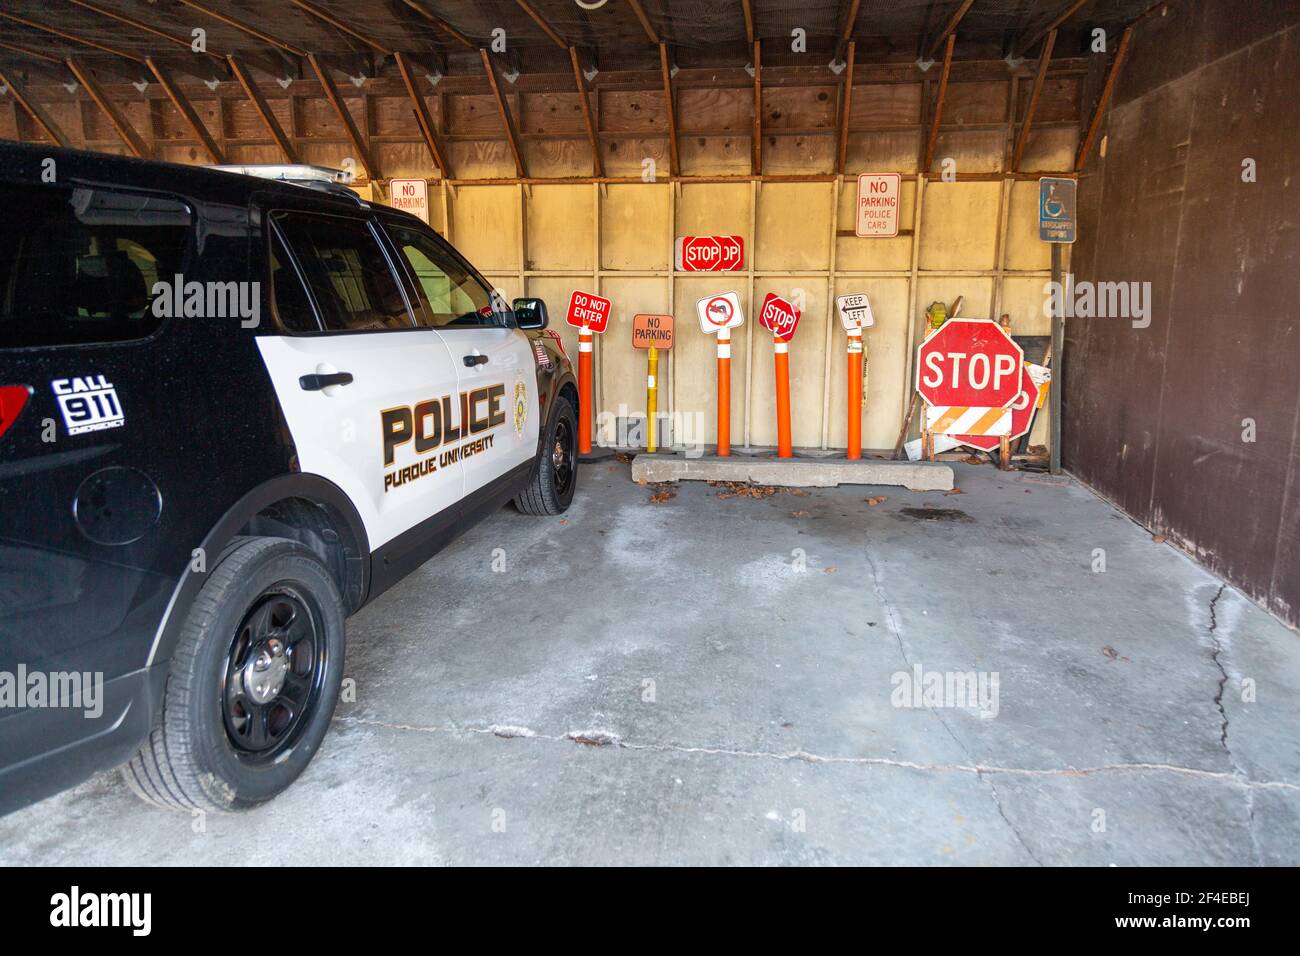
1078	649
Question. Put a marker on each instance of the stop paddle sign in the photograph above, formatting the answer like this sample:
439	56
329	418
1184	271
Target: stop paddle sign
969	362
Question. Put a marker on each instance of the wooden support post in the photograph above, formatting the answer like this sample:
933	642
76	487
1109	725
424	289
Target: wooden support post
666	69
34	110
933	140
756	160
118	121
354	134
749	21
263	109
846	109
580	81
422	118
1040	78
187	111
1095	123
521	170
1004	453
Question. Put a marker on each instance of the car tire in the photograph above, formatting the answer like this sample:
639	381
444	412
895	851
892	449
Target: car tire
226	738
555	477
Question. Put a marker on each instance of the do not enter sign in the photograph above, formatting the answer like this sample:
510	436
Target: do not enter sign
969	362
588	310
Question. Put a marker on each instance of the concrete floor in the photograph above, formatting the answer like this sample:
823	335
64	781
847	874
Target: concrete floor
738	710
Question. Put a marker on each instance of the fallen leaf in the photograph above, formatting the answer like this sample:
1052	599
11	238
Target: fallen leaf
830	570
954	491
799	514
973	460
798	492
875	500
741	489
564	521
623	456
660	497
1110	652
641	481
1158	538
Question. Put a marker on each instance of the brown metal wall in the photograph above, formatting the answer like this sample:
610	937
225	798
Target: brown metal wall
1154	416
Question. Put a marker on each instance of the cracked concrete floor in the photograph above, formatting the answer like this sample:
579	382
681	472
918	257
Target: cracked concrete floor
660	683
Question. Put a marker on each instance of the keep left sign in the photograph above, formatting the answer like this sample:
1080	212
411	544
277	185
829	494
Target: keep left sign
588	310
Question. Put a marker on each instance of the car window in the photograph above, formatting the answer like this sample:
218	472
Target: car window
453	297
87	274
291	302
347	272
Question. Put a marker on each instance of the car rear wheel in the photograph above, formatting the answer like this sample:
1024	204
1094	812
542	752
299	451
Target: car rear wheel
556	476
252	685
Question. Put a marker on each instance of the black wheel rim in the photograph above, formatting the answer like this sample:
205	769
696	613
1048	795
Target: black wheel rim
562	457
275	669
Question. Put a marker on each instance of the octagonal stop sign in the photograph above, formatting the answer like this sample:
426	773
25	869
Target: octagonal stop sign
1022	415
971	363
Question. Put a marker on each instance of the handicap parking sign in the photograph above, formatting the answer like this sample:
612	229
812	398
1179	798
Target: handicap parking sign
1056	210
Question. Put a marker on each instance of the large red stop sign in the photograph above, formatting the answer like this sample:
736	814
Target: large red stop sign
969	362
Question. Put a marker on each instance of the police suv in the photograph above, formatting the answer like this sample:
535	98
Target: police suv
235	406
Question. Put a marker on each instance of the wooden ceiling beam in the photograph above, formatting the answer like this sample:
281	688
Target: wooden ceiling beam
949	29
263	109
349	124
846	108
645	21
580	81
850	23
933	140
422	118
118	121
665	69
140	25
325	16
34	110
529	9
72	37
756	158
442	25
1085	147
1040	77
511	134
1028	40
24	51
187	111
243	27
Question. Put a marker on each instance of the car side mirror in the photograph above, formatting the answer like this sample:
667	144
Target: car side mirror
531	314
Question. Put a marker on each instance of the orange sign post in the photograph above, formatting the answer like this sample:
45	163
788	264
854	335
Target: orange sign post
781	318
588	313
720	314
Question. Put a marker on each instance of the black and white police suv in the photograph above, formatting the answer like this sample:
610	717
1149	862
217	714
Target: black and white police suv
233	410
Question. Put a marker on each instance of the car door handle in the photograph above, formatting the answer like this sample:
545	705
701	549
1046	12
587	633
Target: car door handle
472	360
314	383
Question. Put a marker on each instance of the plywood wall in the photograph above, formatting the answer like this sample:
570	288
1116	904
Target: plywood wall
978	239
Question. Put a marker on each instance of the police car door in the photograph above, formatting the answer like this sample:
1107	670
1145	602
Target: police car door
496	367
365	391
